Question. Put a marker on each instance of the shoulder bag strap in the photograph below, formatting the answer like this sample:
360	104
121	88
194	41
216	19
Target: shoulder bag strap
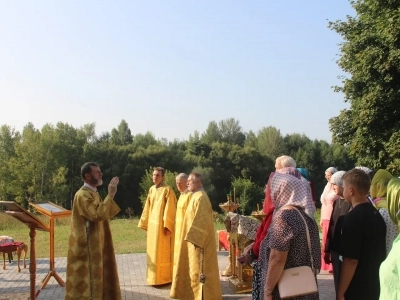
308	237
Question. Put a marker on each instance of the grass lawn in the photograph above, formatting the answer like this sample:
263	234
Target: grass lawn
127	237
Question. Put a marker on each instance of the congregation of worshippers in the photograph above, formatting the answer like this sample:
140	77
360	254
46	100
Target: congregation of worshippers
355	239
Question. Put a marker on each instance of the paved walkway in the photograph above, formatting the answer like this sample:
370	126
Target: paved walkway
132	274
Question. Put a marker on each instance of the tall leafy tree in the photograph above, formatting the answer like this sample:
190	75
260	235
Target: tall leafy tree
197	147
294	142
212	134
121	135
69	149
144	140
370	56
89	132
8	138
270	142
231	132
251	139
393	148
34	165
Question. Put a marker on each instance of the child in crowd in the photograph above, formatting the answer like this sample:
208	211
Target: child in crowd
362	241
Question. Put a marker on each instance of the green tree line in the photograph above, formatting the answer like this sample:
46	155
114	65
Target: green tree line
44	164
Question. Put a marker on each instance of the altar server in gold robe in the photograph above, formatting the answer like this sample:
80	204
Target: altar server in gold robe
158	219
197	277
91	266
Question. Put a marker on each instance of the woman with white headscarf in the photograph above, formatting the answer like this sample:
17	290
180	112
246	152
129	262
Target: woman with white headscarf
328	197
285	245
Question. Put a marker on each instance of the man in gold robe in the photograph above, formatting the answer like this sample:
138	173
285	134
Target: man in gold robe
180	269
158	219
91	266
197	275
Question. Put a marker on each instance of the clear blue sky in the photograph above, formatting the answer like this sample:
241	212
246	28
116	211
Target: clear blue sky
171	67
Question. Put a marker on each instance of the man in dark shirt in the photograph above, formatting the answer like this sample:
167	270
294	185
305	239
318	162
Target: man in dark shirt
362	242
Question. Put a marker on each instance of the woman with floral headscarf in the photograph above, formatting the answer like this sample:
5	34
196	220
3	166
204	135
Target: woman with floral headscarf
268	209
285	245
378	191
389	272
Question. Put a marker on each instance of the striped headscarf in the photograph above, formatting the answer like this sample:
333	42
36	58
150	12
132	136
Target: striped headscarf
393	199
288	190
268	205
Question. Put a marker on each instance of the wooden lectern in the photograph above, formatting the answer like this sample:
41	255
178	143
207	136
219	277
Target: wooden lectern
18	212
52	211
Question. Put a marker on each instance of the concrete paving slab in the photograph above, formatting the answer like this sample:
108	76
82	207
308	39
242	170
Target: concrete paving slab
132	275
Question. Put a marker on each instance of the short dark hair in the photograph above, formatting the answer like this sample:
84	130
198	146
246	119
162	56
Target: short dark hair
358	179
160	170
87	168
198	176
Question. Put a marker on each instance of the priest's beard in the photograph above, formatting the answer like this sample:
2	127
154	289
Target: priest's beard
96	182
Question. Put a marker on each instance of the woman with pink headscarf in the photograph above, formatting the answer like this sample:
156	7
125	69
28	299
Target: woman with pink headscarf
328	197
285	244
268	208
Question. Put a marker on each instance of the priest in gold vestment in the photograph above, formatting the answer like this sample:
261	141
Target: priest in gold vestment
197	275
180	246
158	219
91	265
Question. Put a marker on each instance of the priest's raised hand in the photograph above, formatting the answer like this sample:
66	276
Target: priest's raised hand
112	187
